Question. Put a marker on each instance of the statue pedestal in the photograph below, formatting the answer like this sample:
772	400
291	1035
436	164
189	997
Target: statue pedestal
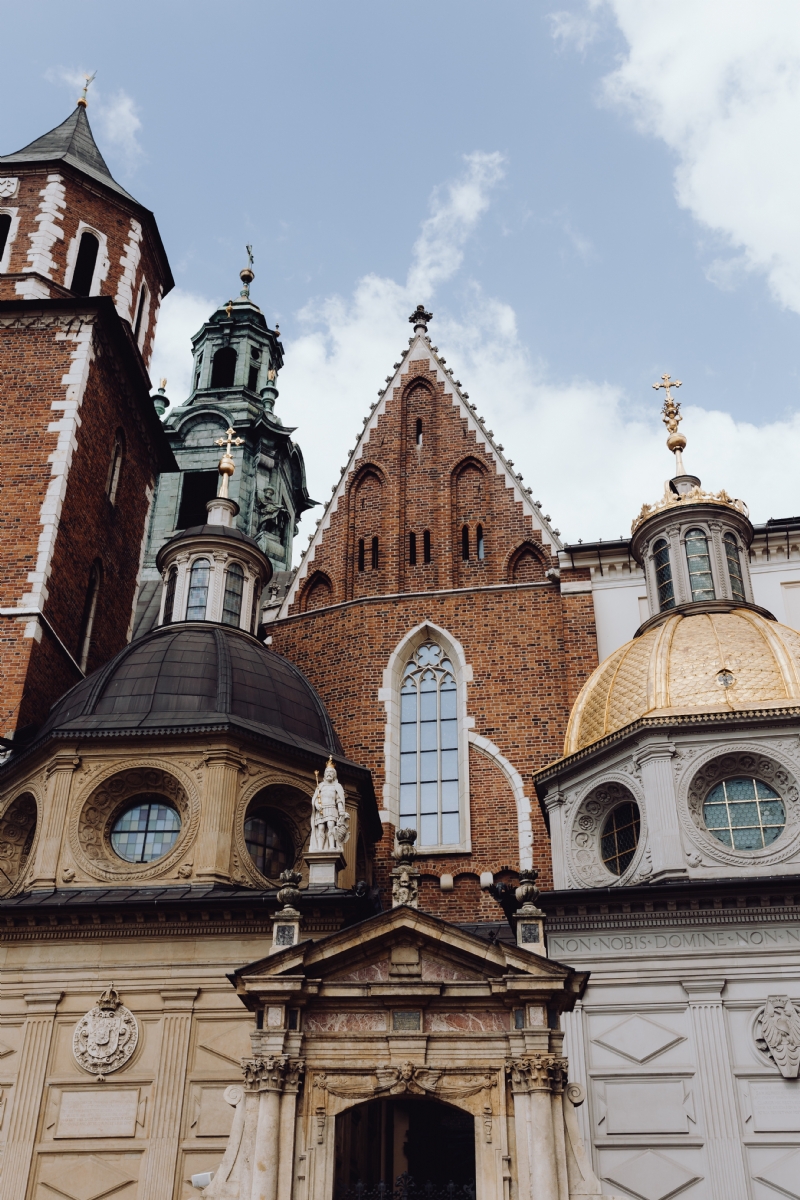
324	867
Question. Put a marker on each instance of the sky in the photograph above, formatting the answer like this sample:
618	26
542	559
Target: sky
585	193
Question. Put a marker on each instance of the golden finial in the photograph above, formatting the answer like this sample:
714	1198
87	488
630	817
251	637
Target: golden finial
229	307
226	464
82	98
671	416
163	384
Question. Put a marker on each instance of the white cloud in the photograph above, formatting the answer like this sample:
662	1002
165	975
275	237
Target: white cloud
181	315
574	30
719	82
590	455
116	117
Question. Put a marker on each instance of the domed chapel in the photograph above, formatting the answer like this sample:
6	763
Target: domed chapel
455	862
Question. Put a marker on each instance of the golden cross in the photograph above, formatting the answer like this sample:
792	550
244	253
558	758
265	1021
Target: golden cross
227	440
672	409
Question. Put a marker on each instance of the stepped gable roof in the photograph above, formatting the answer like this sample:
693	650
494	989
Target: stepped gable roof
722	662
194	677
71	142
420	347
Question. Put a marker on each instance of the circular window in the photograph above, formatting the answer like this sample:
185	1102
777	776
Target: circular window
146	830
744	813
268	843
620	837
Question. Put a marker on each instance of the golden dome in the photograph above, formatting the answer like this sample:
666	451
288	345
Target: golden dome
704	662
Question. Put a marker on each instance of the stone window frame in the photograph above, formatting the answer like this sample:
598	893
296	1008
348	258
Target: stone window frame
389	694
219	561
584	828
13	230
102	263
22	792
298	824
143	299
98	806
718	763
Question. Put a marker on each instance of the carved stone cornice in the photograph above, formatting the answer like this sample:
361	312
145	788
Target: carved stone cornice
407	1079
538	1073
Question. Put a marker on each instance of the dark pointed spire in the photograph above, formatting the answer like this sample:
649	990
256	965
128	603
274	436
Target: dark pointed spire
71	142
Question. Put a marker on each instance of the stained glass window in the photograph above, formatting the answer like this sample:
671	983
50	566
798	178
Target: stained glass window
744	813
232	602
620	837
429	799
268	843
146	831
666	592
697	556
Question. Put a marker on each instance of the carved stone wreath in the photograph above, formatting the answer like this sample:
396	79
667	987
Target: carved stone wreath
18	827
583	840
296	814
744	760
93	821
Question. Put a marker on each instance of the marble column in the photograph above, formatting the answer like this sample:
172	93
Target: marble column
27	1101
162	1153
531	1085
726	1168
53	820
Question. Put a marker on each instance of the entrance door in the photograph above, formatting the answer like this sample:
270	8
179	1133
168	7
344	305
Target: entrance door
409	1146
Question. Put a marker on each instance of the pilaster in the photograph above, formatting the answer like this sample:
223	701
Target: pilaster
663	830
223	768
162	1155
554	803
727	1174
24	1119
54	819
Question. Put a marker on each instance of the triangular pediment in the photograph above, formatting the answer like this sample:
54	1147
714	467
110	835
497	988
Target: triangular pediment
422	354
404	946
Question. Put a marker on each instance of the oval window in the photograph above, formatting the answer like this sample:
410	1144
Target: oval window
620	837
146	830
268	843
744	813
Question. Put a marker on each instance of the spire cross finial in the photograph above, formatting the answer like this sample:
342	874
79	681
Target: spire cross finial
226	463
82	98
671	416
228	440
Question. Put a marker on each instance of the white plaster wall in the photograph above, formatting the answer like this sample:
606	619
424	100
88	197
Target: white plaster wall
776	586
617	611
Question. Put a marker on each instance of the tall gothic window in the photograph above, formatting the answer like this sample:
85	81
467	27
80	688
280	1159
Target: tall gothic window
429	748
83	274
465	542
5	229
426	545
198	590
232	602
140	310
375	554
479	542
412	549
734	567
666	591
697	556
361	554
419	431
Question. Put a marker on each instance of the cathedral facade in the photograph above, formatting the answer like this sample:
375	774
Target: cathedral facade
455	862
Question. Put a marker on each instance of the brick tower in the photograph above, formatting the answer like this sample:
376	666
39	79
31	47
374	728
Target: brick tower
430	613
82	273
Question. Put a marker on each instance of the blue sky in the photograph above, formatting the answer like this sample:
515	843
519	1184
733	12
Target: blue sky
586	194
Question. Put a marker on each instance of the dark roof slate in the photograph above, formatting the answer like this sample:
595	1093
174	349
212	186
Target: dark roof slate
72	142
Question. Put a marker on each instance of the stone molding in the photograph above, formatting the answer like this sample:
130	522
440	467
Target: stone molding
585	824
407	1079
244	869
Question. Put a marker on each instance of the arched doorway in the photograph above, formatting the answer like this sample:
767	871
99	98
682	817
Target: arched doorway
407	1147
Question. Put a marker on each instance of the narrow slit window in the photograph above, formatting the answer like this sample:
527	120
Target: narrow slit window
479	542
418	434
429	797
412	549
5	229
232	602
697	556
198	590
169	599
426	545
666	592
140	307
465	542
374	554
83	274
114	470
734	567
361	554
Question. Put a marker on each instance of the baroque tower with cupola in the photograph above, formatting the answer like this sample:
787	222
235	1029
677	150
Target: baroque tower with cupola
82	274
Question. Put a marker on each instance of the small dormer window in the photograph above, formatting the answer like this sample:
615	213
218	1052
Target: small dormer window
83	274
734	567
666	591
697	556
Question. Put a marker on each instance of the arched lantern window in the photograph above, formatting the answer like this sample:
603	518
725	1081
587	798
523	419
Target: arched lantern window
666	591
199	577
697	556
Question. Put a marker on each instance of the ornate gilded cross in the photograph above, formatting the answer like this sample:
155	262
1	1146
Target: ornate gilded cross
228	440
672	408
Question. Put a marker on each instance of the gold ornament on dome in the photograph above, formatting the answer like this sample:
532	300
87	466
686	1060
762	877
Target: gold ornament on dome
697	495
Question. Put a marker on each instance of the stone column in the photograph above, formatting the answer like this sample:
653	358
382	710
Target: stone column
274	1135
726	1169
286	1133
213	852
531	1084
663	834
53	819
27	1102
162	1154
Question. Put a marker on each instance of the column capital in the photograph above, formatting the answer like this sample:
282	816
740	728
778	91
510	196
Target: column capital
42	1003
653	750
704	991
273	1073
537	1073
179	999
